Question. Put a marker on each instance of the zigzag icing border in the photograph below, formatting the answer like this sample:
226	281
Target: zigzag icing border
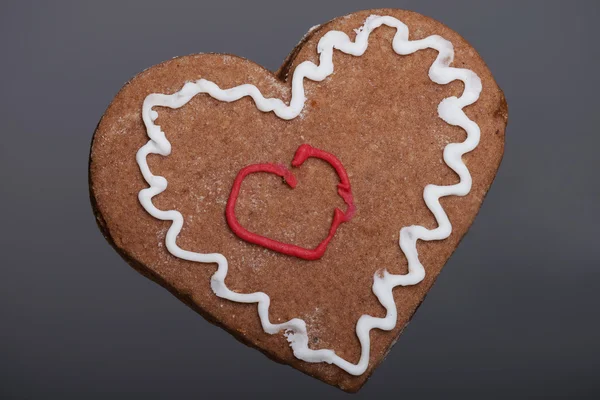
450	110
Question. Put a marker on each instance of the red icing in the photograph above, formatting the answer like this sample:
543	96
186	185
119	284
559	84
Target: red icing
303	153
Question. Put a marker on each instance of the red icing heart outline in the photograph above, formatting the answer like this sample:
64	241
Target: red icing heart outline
303	153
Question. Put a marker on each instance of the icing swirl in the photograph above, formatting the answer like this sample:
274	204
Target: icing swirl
450	110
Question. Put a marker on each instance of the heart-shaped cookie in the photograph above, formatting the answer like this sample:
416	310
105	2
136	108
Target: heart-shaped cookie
404	102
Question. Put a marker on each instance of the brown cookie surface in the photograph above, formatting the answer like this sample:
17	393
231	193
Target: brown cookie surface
376	113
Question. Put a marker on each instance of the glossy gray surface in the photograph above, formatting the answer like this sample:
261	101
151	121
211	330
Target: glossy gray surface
514	315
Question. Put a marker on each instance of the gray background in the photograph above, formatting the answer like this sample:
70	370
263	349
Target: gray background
514	315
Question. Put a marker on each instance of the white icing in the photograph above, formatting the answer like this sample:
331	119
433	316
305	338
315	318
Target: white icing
450	110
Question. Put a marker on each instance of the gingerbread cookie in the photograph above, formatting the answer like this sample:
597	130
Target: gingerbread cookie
309	211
